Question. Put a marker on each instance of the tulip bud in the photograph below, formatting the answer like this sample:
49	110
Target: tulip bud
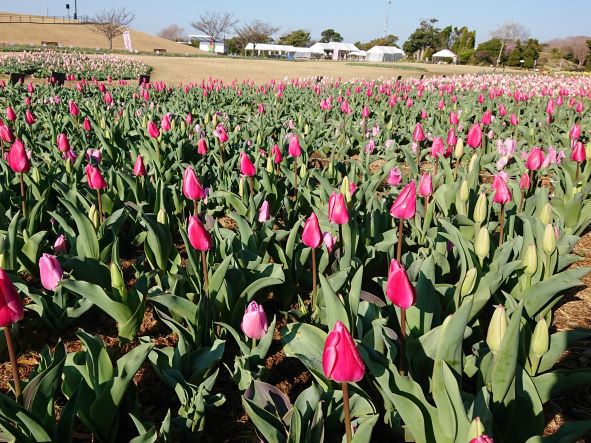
346	189
480	209
269	166
254	322
2	260
469	282
241	187
459	149
303	170
549	240
476	428
546	214
331	168
473	163
540	340
482	243
35	175
464	191
496	329
530	260
588	151
162	217
94	216
68	166
117	282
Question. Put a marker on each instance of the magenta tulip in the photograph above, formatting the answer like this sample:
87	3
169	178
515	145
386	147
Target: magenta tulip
399	289
50	271
276	153
312	236
418	134
11	306
578	153
502	194
10	114
63	144
394	176
534	160
6	134
254	322
247	168
294	149
482	439
575	132
341	361
60	246
165	123
73	108
139	170
524	181
201	147
198	236
337	209
86	124
153	130
474	136
437	148
264	212
453	118
17	158
192	188
404	207
30	118
95	178
425	185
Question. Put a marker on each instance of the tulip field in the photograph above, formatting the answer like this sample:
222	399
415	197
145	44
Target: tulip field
296	261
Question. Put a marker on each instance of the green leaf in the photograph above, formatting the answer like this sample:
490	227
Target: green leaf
335	310
86	242
306	343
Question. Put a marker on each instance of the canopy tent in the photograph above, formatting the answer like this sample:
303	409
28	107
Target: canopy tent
358	55
338	50
384	54
290	51
445	55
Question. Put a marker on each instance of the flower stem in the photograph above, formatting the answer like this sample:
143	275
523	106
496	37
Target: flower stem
250	182
13	364
502	222
347	410
313	280
399	245
578	171
100	205
23	195
195	211
402	339
204	264
295	175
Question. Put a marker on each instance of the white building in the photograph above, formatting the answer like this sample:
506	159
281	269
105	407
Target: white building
384	54
272	50
207	44
336	50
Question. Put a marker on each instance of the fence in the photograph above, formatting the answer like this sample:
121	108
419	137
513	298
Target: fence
19	18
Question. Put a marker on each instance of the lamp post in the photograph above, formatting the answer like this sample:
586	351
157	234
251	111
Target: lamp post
75	10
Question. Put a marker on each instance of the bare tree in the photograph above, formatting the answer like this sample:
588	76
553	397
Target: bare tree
256	31
215	24
111	23
172	32
509	32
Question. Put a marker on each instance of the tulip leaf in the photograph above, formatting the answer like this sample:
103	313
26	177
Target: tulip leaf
335	310
86	242
306	342
559	342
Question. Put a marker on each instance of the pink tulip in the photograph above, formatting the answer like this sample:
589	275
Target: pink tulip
201	147
276	152
418	134
575	132
95	178
399	289
579	107
261	108
189	119
474	136
198	236
502	110
153	130
337	209
73	108
437	148
247	168
264	212
312	236
513	120
550	106
165	123
30	118
394	176
524	181
139	170
108	98
425	185
294	149
404	207
502	193
534	160
192	188
94	155
578	153
11	306
329	241
365	112
452	140
453	118
341	361
60	246
254	322
10	114
50	271
86	124
486	118
221	134
63	144
6	134
17	158
482	439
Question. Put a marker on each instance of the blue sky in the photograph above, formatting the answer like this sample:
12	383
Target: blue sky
355	20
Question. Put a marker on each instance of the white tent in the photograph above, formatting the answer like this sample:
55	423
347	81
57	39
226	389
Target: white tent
338	50
445	55
358	55
384	54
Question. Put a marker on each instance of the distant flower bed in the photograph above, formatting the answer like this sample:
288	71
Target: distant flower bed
43	63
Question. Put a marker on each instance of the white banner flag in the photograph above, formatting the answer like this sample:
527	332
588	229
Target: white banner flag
127	41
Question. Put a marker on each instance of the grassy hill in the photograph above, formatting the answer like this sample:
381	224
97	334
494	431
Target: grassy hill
79	35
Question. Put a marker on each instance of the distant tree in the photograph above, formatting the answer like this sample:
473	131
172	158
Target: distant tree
464	40
486	53
172	32
299	37
330	35
424	37
215	24
256	31
111	23
516	54
509	32
389	40
234	45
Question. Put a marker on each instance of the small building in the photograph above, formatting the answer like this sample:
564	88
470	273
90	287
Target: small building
384	54
444	56
207	44
335	50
